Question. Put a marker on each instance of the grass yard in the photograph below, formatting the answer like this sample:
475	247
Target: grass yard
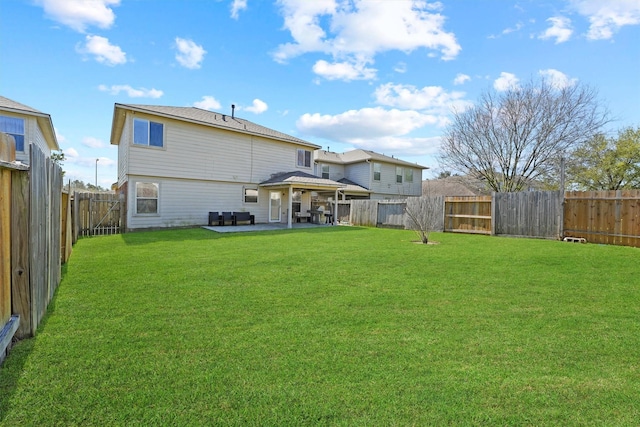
333	326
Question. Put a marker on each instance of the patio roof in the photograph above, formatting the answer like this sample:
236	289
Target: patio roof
300	179
352	187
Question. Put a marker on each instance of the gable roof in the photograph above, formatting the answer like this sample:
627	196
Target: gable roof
357	156
299	178
201	117
352	187
43	119
454	186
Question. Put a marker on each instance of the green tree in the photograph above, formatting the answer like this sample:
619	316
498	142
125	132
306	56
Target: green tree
603	163
59	158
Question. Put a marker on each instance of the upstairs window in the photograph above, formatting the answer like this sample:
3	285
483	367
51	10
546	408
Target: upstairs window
304	158
325	171
377	167
408	175
14	127
148	133
399	173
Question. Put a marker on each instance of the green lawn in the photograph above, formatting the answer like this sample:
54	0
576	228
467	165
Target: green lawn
333	326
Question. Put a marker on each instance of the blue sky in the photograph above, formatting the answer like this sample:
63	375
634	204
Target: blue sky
382	75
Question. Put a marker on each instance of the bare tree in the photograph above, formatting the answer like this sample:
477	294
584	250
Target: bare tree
424	215
513	137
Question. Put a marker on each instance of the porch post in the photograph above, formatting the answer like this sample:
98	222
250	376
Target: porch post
290	207
335	208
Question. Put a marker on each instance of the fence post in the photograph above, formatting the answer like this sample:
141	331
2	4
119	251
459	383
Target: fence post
493	213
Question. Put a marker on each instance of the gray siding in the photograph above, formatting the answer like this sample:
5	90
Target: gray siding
360	173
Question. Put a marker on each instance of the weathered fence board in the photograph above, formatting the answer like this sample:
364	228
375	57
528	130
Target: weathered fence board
608	217
20	272
391	214
96	214
528	214
364	213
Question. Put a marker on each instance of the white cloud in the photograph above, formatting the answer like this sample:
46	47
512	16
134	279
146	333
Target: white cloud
71	154
557	79
506	81
79	14
236	7
103	51
560	30
131	92
430	99
401	67
61	139
92	142
207	103
356	125
343	29
190	55
461	79
258	107
343	71
607	16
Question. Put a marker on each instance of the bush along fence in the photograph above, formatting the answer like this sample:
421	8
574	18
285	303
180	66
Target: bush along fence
30	240
608	217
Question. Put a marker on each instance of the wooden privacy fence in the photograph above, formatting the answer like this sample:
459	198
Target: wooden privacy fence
608	217
468	214
95	214
30	238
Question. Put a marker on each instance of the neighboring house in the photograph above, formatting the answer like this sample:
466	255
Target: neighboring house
27	126
454	186
177	164
369	175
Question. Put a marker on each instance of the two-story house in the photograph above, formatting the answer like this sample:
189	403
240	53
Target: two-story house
370	175
176	164
27	126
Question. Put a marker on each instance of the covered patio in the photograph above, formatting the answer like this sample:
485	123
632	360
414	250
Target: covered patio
262	227
300	186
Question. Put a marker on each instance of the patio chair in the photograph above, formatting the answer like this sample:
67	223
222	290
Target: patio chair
226	217
215	218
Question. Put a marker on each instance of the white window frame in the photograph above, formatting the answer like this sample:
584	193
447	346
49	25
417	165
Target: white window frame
14	134
327	173
244	195
149	126
303	158
399	175
157	199
408	175
379	171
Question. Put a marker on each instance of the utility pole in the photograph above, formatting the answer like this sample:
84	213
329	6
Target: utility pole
97	160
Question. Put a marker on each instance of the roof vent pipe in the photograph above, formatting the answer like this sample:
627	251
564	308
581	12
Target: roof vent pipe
233	111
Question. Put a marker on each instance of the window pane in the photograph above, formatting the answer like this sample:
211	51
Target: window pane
19	141
250	195
307	158
12	125
376	171
146	190
147	206
141	132
300	161
155	134
325	171
408	175
399	175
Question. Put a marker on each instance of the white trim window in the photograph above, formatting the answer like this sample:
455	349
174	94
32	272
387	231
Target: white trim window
325	171
147	198
399	174
146	132
303	159
250	195
14	126
377	171
408	175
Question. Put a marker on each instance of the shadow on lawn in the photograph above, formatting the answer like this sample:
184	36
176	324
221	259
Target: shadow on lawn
13	367
189	234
